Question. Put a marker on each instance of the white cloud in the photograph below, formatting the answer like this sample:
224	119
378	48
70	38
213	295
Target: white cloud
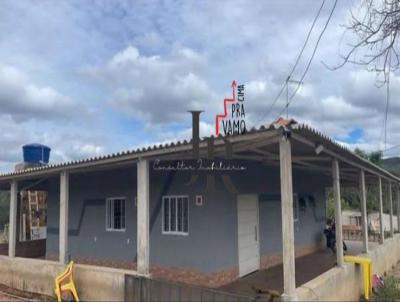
23	99
128	55
66	145
149	64
156	89
166	137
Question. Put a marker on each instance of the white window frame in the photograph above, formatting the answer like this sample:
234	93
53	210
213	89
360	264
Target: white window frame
180	233
111	199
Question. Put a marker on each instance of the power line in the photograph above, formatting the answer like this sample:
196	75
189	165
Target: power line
391	148
312	55
307	38
387	106
295	64
288	81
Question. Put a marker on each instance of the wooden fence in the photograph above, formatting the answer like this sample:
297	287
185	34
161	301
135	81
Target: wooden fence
356	235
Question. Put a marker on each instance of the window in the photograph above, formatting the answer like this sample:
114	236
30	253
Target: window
115	214
176	215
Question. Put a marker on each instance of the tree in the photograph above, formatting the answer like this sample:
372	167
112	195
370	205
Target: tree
361	153
375	27
351	196
375	156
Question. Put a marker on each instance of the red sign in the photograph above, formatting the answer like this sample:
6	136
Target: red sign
234	122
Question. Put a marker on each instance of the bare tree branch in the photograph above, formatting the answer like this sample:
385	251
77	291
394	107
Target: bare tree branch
375	27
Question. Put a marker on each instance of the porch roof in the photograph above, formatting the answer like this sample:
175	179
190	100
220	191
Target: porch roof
301	133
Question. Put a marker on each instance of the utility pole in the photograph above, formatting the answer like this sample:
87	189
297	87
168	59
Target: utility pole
289	81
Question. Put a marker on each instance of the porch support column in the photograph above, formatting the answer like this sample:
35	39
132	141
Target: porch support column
391	208
381	229
289	280
12	228
338	211
398	207
143	225
363	199
64	200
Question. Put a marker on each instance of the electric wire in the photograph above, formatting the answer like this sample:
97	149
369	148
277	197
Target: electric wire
295	64
311	58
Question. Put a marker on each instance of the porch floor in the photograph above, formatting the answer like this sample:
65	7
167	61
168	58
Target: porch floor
307	268
271	279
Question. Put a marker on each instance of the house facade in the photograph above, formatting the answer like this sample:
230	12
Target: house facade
198	234
247	202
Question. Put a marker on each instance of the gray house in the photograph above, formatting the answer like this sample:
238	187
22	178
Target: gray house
251	201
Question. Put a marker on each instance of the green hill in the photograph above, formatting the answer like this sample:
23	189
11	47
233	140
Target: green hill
392	164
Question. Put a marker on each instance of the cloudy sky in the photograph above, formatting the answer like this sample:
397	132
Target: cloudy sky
92	77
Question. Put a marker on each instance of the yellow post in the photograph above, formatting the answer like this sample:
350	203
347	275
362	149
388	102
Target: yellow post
366	265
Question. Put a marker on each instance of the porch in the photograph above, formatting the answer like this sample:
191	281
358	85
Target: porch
271	280
293	157
307	268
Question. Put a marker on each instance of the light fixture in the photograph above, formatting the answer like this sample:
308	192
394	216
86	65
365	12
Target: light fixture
199	200
319	148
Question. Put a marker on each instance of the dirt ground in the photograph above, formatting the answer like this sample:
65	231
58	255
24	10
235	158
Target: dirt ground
10	294
395	272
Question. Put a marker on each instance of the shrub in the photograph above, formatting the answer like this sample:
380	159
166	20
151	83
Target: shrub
390	290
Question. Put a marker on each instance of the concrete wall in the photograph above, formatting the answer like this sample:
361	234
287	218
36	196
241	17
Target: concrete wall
33	275
384	257
106	284
212	241
337	284
345	284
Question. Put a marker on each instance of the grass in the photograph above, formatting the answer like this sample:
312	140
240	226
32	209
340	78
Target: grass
390	291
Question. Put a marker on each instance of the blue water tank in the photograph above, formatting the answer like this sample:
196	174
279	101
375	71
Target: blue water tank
36	153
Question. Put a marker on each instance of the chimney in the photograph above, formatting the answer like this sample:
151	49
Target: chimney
196	132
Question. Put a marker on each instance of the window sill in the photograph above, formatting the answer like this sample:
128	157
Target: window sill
175	233
116	230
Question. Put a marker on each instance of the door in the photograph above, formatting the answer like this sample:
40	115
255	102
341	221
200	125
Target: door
248	235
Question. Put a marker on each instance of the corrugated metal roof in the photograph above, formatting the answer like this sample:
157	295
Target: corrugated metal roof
131	154
169	148
307	131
